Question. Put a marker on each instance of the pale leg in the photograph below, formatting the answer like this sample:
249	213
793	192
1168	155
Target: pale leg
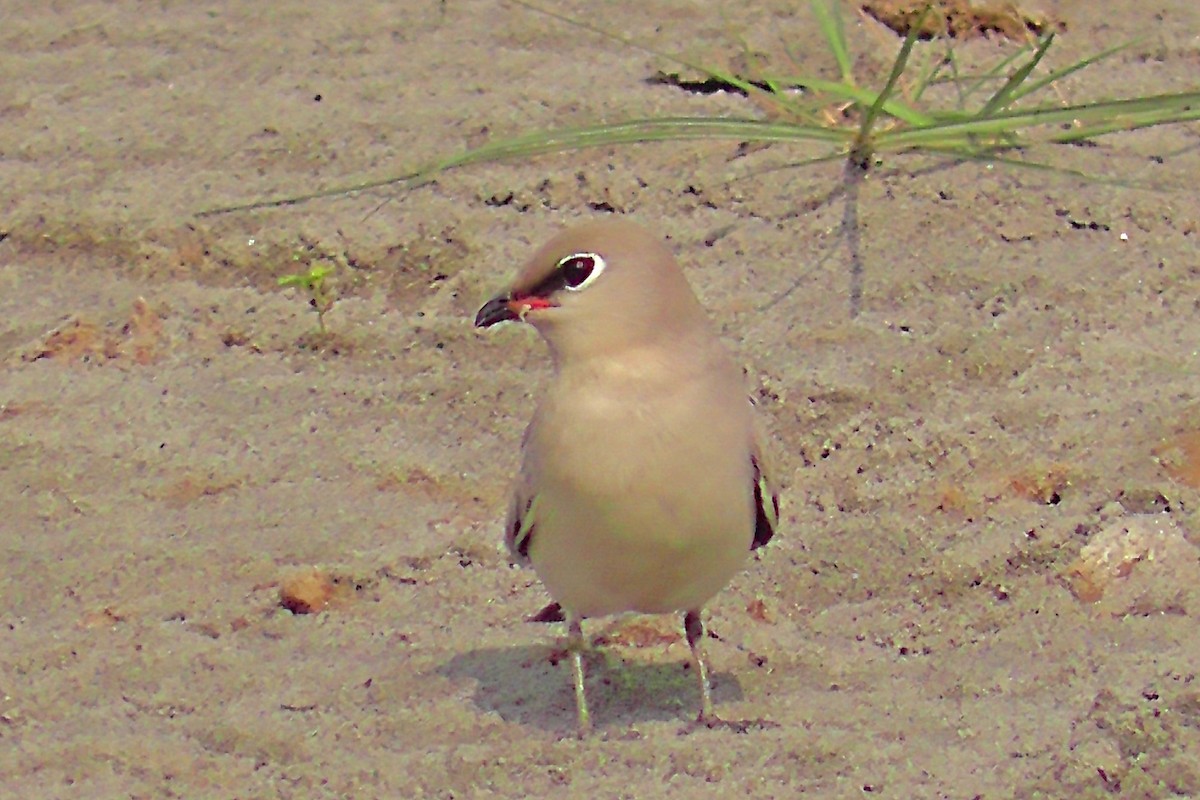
693	627
575	646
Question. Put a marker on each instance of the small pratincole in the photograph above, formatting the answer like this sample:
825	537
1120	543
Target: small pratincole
643	485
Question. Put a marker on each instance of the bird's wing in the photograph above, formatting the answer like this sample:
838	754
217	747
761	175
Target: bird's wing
766	492
518	533
518	529
522	511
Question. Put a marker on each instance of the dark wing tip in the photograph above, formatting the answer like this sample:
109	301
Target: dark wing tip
551	613
766	517
520	529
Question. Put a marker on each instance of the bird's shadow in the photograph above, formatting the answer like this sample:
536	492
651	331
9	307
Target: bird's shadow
532	685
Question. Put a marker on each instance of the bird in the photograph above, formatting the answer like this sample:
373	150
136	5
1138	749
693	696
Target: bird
644	481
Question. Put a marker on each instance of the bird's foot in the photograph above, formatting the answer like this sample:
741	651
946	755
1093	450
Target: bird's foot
584	729
713	722
550	613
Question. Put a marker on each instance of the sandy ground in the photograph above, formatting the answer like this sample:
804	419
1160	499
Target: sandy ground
986	582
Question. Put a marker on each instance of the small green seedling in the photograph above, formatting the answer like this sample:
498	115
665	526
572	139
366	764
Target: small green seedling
321	295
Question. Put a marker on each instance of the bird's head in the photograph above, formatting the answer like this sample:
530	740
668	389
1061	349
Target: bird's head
598	287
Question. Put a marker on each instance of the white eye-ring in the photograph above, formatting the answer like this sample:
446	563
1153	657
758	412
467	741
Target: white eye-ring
579	270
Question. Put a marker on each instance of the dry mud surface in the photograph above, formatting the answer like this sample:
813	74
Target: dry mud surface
986	582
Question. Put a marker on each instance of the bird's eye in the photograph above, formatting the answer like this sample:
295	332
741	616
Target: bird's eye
579	270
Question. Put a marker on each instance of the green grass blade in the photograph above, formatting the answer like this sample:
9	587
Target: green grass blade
829	20
842	92
929	75
1005	94
408	178
682	128
1102	125
956	79
992	74
1059	74
1043	166
1093	119
638	131
898	66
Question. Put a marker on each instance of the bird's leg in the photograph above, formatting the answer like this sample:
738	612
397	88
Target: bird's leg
693	627
575	646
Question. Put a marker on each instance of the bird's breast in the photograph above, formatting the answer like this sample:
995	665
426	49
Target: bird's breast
645	493
610	437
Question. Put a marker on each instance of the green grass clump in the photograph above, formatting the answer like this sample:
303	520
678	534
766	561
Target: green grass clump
988	120
994	115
